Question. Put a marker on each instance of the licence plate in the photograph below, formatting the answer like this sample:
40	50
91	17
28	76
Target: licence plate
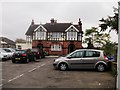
17	58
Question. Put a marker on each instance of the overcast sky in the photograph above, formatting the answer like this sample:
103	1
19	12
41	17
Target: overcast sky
17	16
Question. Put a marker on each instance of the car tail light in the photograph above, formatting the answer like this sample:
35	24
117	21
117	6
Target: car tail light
24	55
38	52
106	58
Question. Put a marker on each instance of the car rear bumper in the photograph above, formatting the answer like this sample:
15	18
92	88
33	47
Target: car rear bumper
20	59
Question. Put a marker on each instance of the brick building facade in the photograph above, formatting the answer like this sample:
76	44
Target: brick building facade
55	38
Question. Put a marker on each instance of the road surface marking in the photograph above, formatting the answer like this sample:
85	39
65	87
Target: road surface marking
1	85
2	79
16	77
36	67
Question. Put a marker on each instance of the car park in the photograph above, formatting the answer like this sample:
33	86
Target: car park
23	56
83	59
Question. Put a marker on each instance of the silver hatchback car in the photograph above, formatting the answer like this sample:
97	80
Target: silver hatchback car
83	59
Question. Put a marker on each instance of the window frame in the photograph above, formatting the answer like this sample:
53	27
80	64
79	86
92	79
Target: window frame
72	34
92	54
56	47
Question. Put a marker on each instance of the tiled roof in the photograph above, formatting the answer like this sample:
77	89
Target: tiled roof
31	29
57	27
51	27
8	41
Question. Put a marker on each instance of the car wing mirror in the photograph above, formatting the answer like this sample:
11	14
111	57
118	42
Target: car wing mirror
69	57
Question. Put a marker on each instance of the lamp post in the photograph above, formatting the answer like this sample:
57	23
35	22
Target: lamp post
118	59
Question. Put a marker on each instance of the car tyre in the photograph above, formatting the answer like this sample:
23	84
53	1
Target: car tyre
13	61
63	66
27	60
101	67
35	59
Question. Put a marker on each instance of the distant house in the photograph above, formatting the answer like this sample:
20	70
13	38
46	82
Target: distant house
23	45
6	43
55	38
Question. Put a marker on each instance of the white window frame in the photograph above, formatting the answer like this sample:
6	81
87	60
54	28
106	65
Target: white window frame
40	34
56	36
56	47
73	34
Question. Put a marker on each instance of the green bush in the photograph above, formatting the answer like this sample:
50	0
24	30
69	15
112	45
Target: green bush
113	68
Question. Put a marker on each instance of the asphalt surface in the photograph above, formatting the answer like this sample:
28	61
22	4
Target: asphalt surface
42	75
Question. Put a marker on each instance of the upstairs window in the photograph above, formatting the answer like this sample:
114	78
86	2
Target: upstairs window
72	35
55	36
40	34
56	47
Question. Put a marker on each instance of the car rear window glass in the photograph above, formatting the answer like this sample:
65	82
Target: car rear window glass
22	52
92	54
34	50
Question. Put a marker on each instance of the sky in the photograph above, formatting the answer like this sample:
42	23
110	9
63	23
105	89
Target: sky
17	16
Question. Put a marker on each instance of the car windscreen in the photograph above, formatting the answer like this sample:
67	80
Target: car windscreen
7	50
21	52
1	50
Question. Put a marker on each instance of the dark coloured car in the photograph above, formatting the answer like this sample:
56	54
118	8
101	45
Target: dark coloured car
23	56
37	52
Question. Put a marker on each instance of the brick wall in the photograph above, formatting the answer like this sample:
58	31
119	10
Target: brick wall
65	44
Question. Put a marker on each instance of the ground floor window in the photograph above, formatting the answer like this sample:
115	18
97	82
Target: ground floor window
56	47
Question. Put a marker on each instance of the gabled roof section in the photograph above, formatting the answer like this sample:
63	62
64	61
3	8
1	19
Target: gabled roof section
72	26
31	29
56	27
39	27
52	27
6	40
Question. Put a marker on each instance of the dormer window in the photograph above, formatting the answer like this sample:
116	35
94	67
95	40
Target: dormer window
72	32
40	34
72	35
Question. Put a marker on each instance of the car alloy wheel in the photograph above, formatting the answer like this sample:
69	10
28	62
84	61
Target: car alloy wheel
63	66
101	67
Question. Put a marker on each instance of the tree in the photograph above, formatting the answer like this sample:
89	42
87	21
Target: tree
93	37
110	22
89	33
110	48
101	38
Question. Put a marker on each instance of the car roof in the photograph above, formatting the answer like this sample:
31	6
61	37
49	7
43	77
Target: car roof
88	50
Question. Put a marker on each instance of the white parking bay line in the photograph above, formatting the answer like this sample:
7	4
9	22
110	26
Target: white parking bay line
36	67
1	85
15	78
23	74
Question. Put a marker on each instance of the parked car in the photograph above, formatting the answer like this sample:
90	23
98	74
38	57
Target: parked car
3	55
23	56
10	51
37	52
83	59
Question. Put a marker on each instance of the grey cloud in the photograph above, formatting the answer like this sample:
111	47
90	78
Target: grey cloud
16	17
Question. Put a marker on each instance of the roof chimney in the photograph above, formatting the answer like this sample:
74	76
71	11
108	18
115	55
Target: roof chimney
80	25
53	21
32	23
